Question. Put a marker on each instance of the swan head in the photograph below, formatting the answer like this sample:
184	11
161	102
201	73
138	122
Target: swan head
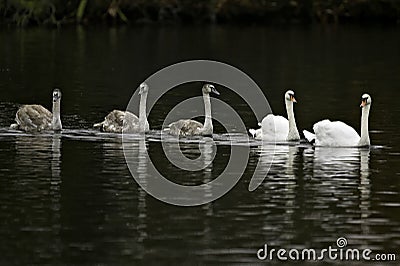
365	100
143	88
289	96
56	95
208	88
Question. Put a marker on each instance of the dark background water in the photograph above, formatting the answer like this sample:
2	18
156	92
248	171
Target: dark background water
70	198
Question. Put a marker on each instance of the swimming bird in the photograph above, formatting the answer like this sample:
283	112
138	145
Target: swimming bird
36	118
278	128
126	122
188	127
338	134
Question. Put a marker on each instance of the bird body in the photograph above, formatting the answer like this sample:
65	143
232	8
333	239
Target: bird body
36	118
126	122
335	133
189	127
338	134
119	121
275	128
185	127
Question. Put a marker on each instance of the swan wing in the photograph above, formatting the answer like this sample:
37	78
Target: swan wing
256	133
130	123
274	128
33	118
118	121
98	125
335	134
309	136
185	127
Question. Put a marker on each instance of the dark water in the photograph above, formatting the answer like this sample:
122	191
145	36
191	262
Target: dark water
70	199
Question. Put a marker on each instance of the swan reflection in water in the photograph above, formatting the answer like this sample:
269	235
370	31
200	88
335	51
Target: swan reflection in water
336	162
140	163
113	157
278	160
142	206
33	154
56	157
272	158
365	189
342	173
282	171
278	191
38	184
195	159
319	184
55	183
350	164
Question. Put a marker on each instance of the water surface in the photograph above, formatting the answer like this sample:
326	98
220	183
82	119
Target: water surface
69	198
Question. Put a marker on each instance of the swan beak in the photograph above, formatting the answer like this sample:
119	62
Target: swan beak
292	99
213	90
363	103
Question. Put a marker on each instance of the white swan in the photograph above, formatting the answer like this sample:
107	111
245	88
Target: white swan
36	118
188	127
126	122
339	134
278	128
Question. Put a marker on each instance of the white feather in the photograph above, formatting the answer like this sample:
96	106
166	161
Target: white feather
256	133
275	128
309	136
339	134
335	134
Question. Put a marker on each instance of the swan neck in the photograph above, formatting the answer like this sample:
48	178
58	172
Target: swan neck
208	127
364	141
143	124
56	122
293	132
